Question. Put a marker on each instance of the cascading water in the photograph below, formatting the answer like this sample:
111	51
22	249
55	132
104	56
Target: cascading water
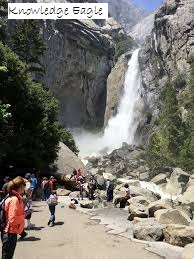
123	126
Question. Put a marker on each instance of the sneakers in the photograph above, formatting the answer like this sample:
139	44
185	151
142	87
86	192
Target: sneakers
49	222
23	235
52	224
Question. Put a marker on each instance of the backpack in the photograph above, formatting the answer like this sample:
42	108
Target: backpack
52	200
3	220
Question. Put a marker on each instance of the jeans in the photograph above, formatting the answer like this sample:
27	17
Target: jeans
45	194
9	241
52	211
109	195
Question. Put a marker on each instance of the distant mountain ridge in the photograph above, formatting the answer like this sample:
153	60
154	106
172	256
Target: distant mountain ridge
126	12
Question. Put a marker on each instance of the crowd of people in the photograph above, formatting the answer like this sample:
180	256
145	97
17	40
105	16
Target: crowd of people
16	203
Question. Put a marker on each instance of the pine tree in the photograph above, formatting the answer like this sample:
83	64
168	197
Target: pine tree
3	14
29	45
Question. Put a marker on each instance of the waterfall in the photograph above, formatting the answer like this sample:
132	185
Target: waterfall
122	127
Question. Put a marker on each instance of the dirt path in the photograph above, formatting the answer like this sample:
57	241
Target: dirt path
75	237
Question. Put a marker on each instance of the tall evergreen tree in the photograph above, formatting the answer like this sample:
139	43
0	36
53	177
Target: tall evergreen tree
28	44
3	15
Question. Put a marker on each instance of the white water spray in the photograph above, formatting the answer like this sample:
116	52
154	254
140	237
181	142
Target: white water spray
122	127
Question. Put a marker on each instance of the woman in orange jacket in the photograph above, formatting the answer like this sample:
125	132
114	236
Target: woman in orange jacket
14	212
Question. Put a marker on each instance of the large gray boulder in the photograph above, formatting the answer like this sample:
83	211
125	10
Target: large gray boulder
159	179
139	191
159	205
148	229
188	252
137	210
172	216
178	182
67	161
179	235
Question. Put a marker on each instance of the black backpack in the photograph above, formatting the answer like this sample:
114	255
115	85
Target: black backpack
3	220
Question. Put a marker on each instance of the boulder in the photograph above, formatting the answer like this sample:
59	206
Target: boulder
62	192
144	176
66	162
177	182
148	229
94	171
172	216
188	197
159	179
185	209
137	210
188	252
138	200
159	205
100	181
87	204
179	235
139	191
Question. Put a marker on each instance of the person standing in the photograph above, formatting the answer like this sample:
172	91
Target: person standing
45	189
91	187
14	214
109	190
34	184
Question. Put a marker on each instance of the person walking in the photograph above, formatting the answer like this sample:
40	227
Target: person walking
14	214
52	202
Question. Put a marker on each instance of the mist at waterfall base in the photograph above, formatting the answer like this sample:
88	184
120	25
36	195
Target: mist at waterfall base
122	127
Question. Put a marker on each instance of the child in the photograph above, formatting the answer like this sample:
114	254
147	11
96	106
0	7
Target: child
52	202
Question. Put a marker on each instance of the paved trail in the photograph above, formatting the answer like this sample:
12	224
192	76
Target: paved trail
75	237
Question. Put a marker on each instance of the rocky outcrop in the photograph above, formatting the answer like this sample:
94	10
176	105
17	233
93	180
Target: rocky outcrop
167	54
143	29
66	162
77	61
115	84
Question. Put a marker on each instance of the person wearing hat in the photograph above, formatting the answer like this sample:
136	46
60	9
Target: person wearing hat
4	188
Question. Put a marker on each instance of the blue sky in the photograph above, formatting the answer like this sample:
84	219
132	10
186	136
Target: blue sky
148	5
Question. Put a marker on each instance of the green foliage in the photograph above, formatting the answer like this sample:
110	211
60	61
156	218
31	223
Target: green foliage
173	143
28	44
4	114
165	144
30	137
3	14
67	138
124	44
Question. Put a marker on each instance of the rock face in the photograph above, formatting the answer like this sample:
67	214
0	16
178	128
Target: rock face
67	161
167	53
125	12
143	29
115	84
77	62
179	235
